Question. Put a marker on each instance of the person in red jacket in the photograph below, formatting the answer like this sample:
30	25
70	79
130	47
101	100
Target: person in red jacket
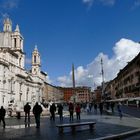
78	111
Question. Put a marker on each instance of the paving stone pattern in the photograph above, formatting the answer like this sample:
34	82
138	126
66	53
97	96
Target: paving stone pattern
105	125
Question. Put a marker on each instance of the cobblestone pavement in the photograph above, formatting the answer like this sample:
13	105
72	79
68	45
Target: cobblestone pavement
131	111
105	125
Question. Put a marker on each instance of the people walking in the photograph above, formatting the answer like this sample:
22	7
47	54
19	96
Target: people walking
107	105
52	111
71	111
112	106
95	108
37	110
27	109
78	111
101	108
137	103
119	107
90	107
60	111
2	115
87	108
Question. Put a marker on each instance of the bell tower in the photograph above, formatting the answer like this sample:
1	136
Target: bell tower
17	46
36	64
17	40
13	40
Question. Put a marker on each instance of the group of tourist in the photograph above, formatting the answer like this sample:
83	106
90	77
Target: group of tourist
60	111
37	110
77	110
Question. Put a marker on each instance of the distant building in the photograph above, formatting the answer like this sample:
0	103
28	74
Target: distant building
82	94
52	93
109	89
18	86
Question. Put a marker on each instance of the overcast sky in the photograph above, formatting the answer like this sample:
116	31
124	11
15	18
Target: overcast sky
77	31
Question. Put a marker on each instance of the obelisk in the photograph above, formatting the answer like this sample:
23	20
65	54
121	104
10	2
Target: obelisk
73	82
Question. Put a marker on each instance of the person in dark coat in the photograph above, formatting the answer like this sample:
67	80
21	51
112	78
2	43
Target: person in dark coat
95	108
119	107
37	110
27	109
101	108
71	111
112	106
60	111
2	115
52	111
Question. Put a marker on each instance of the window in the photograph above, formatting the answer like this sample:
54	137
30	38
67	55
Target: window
27	94
34	59
20	94
20	42
20	62
15	43
3	99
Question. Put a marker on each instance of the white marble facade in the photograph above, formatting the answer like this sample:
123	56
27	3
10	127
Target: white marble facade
18	86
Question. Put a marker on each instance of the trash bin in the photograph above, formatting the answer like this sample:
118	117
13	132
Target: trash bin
18	115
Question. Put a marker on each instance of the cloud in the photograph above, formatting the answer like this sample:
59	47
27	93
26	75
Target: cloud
108	2
48	80
64	81
89	3
123	52
6	6
9	4
3	16
136	4
28	61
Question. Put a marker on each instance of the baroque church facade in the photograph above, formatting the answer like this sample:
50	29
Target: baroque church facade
17	85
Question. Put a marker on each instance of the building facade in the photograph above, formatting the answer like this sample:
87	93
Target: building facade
127	82
97	94
52	94
18	86
79	94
